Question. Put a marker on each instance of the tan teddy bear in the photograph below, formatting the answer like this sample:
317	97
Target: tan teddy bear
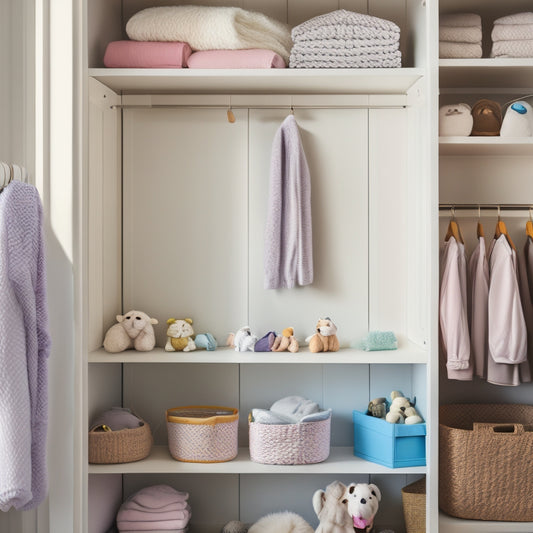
179	335
325	338
286	341
134	330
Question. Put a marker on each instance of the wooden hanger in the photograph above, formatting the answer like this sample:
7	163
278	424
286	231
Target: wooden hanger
454	230
501	229
480	231
529	226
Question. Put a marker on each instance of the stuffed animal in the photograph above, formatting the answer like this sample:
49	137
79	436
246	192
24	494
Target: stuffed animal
206	340
134	330
487	115
332	510
363	503
325	338
236	526
285	522
179	335
377	407
244	340
286	341
455	120
402	410
518	121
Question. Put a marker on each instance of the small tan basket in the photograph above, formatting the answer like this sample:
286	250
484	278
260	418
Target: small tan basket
122	446
414	506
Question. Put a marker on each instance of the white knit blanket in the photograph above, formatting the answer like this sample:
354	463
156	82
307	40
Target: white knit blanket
460	20
467	34
512	49
335	61
459	50
211	28
343	24
512	32
516	18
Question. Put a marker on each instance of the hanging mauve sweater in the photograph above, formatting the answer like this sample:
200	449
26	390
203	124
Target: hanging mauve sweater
288	235
24	349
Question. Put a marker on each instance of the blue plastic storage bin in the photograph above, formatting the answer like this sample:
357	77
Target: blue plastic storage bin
392	445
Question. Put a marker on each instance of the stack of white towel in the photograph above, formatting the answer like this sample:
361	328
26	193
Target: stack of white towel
460	36
291	410
512	36
345	39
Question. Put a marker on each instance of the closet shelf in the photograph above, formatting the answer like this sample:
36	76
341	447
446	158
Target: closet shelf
261	81
409	354
486	146
450	524
340	461
493	73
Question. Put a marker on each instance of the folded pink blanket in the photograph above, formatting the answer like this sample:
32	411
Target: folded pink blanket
253	58
164	525
132	515
136	54
177	506
157	496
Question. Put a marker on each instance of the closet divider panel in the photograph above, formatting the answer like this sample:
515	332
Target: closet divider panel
335	144
104	499
104	21
185	217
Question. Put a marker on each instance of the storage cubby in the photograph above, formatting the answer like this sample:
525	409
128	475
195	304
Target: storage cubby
175	213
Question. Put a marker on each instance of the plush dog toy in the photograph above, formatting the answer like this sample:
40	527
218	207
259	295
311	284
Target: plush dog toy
455	119
286	341
363	503
285	522
332	510
179	335
325	338
244	340
134	330
402	410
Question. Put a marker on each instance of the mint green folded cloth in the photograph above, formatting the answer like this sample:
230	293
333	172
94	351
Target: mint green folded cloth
379	340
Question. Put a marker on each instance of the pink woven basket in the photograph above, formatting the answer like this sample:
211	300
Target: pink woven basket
203	434
290	444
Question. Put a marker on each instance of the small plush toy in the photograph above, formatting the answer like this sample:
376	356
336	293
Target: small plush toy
487	115
236	526
377	407
205	340
244	340
284	522
265	343
332	510
455	120
402	410
363	503
286	341
325	338
518	121
179	335
134	330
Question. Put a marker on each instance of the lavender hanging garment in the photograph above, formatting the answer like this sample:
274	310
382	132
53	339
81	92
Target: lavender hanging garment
288	237
24	349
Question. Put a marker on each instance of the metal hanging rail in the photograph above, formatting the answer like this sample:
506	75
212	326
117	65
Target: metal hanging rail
254	106
509	207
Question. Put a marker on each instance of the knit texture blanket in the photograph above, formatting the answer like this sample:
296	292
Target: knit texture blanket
516	18
288	259
467	34
211	28
512	49
512	32
460	20
459	50
24	349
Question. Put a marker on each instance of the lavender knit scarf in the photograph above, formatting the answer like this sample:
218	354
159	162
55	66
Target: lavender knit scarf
24	349
288	235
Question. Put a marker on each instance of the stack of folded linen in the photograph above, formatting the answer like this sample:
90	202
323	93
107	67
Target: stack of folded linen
460	36
229	37
155	508
512	36
345	39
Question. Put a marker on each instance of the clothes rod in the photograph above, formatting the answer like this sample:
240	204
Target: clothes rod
510	207
254	106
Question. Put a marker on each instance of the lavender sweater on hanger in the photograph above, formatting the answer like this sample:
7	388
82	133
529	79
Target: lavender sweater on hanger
288	235
24	349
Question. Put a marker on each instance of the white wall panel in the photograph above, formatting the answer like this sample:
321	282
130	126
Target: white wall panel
185	217
104	25
105	381
386	378
335	143
105	497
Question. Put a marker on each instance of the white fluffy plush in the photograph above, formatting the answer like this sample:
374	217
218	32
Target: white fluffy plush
363	503
331	508
134	330
244	340
455	120
179	335
211	28
285	522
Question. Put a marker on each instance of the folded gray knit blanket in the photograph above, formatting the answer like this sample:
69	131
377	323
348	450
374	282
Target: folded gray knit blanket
345	24
335	60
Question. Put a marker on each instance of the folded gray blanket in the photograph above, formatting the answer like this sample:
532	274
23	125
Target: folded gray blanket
512	49
338	61
516	18
459	50
330	46
460	20
345	24
466	34
512	32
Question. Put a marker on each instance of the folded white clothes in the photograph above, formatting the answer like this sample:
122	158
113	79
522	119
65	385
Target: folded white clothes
291	410
460	20
459	50
462	34
347	33
350	45
512	49
296	406
265	416
516	18
393	60
512	32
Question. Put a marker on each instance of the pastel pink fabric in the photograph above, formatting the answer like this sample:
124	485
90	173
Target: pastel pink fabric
140	54
165	525
253	58
132	515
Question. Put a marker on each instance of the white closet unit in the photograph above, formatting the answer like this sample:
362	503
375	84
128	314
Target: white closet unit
173	211
484	170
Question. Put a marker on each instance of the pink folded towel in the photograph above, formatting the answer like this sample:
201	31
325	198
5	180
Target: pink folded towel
164	525
176	506
253	58
136	54
157	496
132	515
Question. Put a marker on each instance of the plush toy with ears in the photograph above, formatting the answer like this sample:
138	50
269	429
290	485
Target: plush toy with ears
331	508
325	339
286	341
363	503
179	335
134	330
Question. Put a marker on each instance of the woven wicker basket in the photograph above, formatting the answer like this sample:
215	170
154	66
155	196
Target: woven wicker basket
290	444
122	446
414	506
486	461
203	433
